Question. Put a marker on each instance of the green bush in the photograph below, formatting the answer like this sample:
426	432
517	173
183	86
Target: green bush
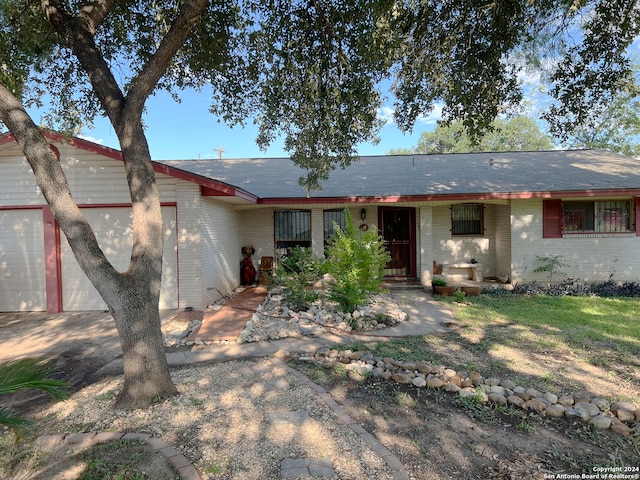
356	260
26	373
298	271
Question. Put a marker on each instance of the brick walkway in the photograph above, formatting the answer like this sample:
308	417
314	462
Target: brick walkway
230	320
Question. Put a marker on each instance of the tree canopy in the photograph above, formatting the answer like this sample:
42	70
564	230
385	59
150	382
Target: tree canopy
307	70
615	126
515	134
311	70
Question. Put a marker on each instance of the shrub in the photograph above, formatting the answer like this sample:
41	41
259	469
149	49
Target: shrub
552	265
459	296
439	282
297	271
26	373
575	287
356	259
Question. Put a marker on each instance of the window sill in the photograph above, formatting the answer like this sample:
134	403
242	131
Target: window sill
598	234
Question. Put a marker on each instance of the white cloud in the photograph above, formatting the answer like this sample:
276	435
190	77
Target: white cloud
386	114
432	118
89	138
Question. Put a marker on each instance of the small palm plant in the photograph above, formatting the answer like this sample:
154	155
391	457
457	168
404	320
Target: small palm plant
26	373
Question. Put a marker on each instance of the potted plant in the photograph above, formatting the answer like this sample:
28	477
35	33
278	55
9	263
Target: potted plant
440	287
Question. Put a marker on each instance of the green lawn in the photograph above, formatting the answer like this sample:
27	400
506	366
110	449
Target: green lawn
575	322
557	343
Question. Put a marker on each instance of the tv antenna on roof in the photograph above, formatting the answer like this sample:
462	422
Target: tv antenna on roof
219	150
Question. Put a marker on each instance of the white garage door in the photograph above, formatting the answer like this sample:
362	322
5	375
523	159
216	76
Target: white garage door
114	231
22	269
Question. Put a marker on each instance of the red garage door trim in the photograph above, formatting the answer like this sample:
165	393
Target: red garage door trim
52	248
52	263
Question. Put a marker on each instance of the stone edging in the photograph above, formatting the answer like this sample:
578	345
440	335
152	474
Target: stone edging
598	412
398	470
82	441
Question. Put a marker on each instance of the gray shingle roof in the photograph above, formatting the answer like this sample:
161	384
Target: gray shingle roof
425	175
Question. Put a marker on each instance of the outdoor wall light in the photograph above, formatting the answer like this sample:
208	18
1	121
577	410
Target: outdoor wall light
363	214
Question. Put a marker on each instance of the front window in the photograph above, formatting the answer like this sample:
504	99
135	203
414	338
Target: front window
467	219
597	216
292	228
331	219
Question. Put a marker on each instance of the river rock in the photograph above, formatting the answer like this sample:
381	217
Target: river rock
621	428
435	382
401	377
566	400
556	410
625	415
497	398
419	382
601	421
497	389
508	384
588	407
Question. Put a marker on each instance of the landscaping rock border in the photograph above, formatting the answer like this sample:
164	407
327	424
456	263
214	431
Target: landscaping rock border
620	417
275	319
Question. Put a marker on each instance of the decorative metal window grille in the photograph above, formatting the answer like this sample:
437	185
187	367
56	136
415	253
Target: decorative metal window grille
331	219
467	219
293	228
597	216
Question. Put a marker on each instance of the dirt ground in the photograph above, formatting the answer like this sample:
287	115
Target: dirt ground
77	344
434	434
439	436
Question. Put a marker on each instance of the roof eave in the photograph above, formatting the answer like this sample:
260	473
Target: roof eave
451	197
212	187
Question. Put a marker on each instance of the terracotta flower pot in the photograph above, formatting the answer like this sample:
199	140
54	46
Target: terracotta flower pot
444	290
471	291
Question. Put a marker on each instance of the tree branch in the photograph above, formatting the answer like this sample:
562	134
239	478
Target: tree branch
77	33
93	13
143	84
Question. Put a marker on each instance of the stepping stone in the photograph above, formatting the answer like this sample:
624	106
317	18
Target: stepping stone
306	467
294	418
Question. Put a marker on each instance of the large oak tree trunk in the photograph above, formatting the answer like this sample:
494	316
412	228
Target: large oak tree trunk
146	373
135	305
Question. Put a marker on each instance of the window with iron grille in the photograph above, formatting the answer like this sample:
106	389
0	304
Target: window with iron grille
467	219
331	219
292	228
597	216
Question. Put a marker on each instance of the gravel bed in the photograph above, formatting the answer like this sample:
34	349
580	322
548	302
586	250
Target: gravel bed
222	421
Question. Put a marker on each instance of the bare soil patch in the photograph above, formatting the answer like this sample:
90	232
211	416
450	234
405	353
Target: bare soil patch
437	435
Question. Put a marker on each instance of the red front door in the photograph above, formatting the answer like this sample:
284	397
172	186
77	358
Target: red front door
398	227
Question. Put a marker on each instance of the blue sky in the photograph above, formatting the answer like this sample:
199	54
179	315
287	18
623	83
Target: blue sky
187	131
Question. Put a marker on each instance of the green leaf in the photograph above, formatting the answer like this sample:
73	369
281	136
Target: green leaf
30	373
